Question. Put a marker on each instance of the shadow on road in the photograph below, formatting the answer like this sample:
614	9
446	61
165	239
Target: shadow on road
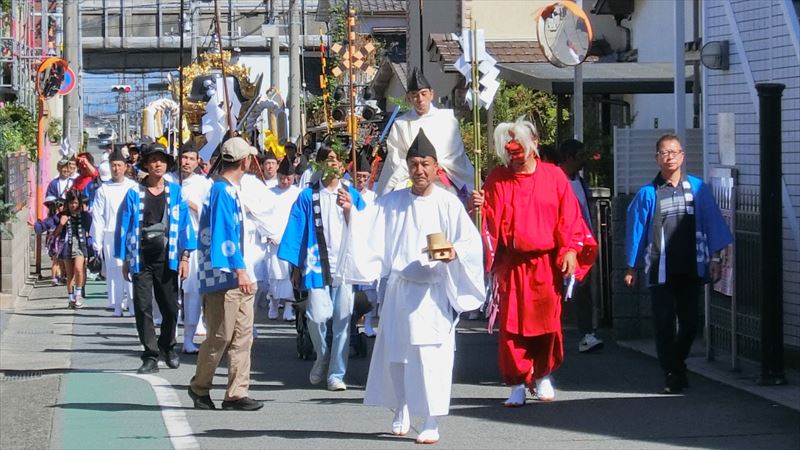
299	434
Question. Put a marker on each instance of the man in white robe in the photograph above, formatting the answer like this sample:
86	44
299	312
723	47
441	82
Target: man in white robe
194	189
370	290
412	361
279	272
442	129
255	198
108	198
269	167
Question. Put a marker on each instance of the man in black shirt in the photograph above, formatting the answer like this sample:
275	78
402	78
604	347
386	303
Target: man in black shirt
154	244
676	226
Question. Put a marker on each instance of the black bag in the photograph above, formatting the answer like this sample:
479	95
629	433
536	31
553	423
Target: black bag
358	341
154	241
305	348
95	263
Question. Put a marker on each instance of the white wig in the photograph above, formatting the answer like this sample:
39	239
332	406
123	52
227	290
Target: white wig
521	131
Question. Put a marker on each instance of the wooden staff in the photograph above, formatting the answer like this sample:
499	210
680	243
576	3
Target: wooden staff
180	93
476	113
231	131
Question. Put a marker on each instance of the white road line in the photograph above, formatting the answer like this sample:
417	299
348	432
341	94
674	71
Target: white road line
180	433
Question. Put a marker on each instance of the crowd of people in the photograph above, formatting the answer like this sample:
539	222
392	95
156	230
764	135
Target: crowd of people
179	244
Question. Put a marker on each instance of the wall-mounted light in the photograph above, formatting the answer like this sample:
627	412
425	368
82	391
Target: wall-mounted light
715	55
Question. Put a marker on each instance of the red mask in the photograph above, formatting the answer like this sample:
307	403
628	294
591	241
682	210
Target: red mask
515	151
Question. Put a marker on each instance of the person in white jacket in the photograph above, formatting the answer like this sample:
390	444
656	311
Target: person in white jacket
194	189
108	198
279	271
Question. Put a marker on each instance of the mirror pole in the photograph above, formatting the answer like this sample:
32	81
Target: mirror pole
577	97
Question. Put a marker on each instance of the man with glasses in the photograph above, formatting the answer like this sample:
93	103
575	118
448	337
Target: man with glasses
440	125
678	228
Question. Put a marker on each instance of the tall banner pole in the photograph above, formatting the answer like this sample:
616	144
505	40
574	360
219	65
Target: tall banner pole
180	90
476	113
231	131
353	123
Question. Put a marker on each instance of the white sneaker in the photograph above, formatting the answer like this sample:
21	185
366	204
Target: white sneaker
590	343
336	384
272	314
288	313
430	431
544	389
517	397
401	422
318	371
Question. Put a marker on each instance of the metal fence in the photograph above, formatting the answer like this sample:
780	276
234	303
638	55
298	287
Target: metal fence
733	308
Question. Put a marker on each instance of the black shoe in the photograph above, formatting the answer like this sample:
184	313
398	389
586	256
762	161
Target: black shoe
172	359
682	380
243	404
201	401
672	385
148	366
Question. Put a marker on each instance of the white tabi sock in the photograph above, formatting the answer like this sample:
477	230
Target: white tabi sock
517	397
401	422
430	431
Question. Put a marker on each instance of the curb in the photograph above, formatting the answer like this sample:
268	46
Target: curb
787	395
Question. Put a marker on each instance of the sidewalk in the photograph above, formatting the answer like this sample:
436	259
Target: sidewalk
69	382
32	372
745	378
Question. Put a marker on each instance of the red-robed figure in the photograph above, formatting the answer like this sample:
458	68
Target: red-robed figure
535	239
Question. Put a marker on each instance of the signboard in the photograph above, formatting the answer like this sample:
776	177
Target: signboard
723	184
69	82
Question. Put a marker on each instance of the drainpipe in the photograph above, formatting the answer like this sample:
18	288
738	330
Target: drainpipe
769	96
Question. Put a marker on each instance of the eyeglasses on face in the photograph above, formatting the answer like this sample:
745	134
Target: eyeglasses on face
665	153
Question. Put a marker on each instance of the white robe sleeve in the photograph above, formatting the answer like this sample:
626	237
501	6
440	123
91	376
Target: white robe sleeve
453	158
394	169
98	227
364	258
466	289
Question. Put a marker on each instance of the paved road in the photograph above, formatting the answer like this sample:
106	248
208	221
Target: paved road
86	395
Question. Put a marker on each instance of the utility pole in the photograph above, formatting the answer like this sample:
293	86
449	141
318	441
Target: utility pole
194	10
294	71
275	50
72	102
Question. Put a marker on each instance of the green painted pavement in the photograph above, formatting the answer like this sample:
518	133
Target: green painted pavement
95	293
111	411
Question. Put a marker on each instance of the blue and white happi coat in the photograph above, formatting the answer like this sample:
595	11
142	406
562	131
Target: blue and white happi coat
711	231
129	219
299	244
219	251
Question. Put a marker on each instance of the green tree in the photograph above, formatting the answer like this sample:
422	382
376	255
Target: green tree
510	103
17	129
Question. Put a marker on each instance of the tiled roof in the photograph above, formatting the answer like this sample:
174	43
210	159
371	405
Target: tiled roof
379	6
447	50
402	74
388	70
366	7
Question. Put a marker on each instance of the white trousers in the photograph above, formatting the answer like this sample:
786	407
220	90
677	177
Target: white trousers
192	302
120	292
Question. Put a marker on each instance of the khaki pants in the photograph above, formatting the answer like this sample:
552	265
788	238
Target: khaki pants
229	323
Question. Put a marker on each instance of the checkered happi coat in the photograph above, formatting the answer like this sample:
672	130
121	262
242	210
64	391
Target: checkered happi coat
221	234
129	220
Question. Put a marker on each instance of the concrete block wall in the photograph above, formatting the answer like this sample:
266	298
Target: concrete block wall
15	254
